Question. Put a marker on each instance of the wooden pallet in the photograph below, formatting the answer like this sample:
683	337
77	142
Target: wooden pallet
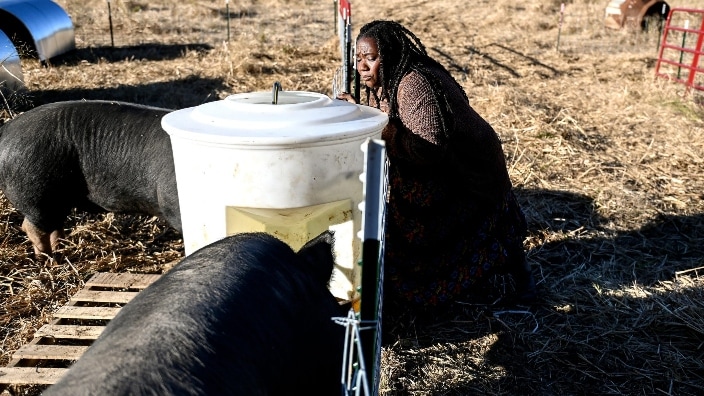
72	329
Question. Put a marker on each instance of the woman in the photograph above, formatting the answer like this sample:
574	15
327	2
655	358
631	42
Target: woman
453	224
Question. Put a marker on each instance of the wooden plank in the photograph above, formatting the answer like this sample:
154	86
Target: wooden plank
74	312
47	352
30	375
121	297
34	353
121	280
74	332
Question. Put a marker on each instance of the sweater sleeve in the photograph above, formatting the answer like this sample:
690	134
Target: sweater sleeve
415	135
418	109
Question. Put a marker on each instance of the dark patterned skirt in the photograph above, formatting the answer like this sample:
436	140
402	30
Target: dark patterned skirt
439	250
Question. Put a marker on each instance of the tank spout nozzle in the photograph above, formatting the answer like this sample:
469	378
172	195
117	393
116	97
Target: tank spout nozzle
275	92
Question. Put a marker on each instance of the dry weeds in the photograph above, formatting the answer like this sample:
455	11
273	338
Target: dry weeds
607	160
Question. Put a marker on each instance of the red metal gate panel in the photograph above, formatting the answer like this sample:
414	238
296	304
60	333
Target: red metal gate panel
681	48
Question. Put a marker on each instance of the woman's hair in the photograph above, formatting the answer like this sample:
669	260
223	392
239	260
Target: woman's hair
400	52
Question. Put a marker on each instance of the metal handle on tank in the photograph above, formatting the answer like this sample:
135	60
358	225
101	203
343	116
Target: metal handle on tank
275	92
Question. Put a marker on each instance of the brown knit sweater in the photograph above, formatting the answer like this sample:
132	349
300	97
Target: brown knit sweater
469	157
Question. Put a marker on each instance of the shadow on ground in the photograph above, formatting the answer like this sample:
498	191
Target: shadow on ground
590	328
146	52
178	94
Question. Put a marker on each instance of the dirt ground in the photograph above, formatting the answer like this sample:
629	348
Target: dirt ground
607	160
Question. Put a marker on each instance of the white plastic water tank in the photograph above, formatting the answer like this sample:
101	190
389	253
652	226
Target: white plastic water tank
290	169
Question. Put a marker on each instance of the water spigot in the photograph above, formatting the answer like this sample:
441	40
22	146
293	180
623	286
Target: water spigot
275	92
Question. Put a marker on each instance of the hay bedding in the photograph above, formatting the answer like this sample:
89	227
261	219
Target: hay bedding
606	159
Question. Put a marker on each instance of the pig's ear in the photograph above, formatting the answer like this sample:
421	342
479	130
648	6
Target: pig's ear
319	257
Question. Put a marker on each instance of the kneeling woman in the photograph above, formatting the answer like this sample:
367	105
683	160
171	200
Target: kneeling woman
453	222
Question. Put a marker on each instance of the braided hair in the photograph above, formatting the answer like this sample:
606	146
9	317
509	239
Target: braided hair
402	52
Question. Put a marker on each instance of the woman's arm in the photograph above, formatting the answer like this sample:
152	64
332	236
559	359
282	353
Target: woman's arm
416	136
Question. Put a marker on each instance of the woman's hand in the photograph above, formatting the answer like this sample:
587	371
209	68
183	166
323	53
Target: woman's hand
347	96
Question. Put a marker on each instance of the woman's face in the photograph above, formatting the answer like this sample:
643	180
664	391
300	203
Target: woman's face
368	62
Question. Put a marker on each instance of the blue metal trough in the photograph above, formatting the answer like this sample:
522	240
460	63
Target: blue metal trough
11	79
39	28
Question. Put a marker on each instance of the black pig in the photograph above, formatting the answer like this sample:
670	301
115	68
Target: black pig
242	316
90	155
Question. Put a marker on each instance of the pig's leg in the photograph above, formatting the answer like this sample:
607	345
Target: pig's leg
44	242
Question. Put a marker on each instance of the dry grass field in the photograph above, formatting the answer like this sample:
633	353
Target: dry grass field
607	161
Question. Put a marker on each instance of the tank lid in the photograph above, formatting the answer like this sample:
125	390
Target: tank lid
298	117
